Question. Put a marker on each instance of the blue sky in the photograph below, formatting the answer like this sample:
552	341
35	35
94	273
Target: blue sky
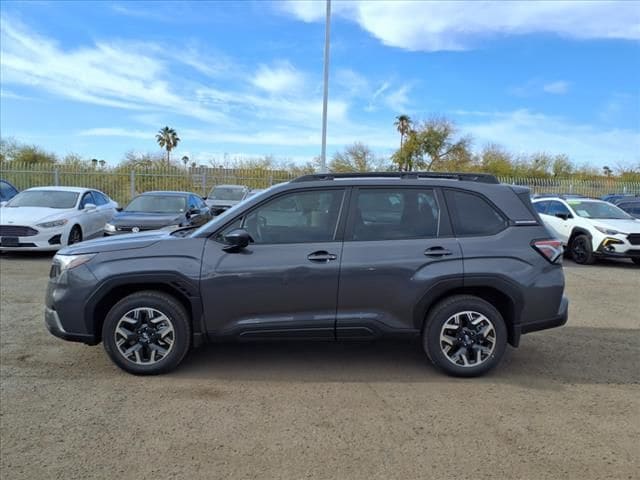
245	79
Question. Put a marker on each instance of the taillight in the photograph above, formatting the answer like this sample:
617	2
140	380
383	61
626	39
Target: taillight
550	249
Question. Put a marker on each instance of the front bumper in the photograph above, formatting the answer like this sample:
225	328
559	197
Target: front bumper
53	324
617	246
47	239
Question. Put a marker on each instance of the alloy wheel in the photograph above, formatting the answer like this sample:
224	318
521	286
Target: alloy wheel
144	336
468	339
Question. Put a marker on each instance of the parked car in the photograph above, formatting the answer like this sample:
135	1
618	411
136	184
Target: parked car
554	195
223	197
615	198
255	191
591	228
47	218
7	191
457	259
159	210
631	206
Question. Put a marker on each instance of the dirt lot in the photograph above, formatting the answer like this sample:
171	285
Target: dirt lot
566	404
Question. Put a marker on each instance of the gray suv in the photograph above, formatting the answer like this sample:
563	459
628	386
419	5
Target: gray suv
459	260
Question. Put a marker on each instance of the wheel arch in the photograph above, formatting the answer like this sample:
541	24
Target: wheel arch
498	292
579	231
113	290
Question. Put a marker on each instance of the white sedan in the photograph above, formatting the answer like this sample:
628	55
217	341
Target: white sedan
49	218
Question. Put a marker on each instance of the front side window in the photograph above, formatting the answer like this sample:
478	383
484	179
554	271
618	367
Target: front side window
541	207
394	214
299	217
473	215
87	198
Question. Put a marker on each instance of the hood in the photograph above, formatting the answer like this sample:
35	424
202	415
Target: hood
221	203
119	242
146	220
625	226
32	215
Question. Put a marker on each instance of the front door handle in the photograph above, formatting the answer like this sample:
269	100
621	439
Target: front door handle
437	252
321	256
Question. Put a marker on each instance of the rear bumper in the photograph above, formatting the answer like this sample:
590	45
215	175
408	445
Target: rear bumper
556	321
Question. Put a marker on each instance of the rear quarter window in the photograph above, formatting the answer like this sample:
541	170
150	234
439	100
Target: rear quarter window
473	215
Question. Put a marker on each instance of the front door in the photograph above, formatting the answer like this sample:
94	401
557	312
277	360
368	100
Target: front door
398	247
285	283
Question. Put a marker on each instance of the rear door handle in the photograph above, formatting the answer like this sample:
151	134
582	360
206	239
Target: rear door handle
437	252
321	256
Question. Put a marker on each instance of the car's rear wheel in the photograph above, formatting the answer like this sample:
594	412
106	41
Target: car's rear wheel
464	336
75	235
147	333
581	251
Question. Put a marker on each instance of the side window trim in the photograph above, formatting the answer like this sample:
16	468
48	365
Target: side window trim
453	214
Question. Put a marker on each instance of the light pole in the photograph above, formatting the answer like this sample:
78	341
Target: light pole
327	34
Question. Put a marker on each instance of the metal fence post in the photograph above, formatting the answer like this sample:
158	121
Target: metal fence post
204	182
56	177
133	183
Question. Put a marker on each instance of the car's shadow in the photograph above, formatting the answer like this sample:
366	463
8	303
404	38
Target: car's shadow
602	262
25	256
547	360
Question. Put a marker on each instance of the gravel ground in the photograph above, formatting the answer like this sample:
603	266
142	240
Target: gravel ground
566	404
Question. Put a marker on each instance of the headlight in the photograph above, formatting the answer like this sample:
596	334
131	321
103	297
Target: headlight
608	231
67	262
55	223
170	227
109	228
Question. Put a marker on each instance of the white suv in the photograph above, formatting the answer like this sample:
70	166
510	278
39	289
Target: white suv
591	228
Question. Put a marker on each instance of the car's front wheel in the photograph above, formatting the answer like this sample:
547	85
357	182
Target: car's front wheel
75	235
147	333
464	336
581	251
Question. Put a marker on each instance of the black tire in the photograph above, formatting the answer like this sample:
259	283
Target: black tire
636	260
444	311
161	302
75	235
581	250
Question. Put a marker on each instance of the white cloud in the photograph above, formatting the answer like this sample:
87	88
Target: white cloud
461	25
558	88
528	132
279	79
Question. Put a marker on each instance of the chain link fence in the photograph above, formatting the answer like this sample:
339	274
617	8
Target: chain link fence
123	183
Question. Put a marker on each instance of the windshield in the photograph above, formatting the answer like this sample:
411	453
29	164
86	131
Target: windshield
598	210
226	193
157	204
44	198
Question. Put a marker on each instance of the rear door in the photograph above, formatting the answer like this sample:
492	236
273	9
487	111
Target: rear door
398	247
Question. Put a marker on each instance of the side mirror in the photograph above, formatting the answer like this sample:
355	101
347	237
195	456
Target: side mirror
563	216
89	206
118	209
237	240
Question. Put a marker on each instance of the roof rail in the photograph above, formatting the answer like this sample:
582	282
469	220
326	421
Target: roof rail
467	177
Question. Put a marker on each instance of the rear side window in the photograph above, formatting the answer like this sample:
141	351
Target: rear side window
6	191
394	214
541	207
556	207
472	215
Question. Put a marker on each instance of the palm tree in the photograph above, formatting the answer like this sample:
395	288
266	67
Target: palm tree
102	162
168	139
607	171
185	160
403	125
94	162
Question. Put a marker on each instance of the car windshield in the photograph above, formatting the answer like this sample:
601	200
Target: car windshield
598	210
157	204
44	198
226	193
